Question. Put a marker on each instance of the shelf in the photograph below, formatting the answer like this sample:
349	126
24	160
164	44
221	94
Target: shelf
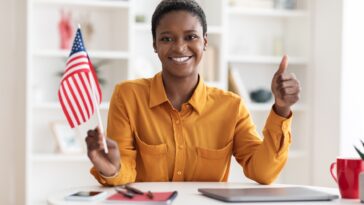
267	12
56	105
293	154
214	30
60	158
215	84
143	27
268	106
265	59
88	3
93	54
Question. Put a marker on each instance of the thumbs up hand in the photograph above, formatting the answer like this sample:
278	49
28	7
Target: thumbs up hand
285	88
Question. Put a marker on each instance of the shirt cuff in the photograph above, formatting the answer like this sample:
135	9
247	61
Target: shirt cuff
280	130
123	176
110	177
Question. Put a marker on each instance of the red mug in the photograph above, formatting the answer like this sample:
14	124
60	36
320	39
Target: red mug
347	176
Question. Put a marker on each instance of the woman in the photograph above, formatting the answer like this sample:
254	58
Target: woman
173	127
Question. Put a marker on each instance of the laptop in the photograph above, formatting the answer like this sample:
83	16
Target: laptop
272	194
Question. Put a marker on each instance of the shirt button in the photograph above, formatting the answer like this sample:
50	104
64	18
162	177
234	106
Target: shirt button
179	173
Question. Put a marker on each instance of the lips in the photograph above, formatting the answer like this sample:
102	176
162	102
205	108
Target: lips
180	59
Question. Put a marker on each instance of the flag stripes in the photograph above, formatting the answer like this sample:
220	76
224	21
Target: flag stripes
75	92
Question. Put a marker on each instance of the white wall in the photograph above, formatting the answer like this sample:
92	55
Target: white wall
326	88
12	103
352	101
338	99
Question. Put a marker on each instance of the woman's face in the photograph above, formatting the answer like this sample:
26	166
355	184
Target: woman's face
179	43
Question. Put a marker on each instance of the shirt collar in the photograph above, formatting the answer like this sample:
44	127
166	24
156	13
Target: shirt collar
199	97
157	91
158	94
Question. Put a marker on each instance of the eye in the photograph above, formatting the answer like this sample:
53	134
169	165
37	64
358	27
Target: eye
192	37
166	39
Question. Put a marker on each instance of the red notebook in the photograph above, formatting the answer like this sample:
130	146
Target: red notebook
159	198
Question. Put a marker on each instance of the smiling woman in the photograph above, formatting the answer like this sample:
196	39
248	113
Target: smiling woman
173	127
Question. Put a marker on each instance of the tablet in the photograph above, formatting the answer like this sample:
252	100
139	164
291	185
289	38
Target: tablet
271	194
86	195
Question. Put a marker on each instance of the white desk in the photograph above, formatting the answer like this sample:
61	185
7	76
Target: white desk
187	193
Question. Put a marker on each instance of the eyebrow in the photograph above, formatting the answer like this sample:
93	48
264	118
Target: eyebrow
188	31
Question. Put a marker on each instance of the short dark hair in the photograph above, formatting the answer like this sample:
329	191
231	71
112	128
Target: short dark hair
166	6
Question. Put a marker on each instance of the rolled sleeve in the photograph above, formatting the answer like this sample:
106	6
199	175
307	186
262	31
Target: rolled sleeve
279	129
262	160
119	130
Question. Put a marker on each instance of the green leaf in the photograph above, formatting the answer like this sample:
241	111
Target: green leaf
360	153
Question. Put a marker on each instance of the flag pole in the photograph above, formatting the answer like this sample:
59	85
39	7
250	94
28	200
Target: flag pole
97	108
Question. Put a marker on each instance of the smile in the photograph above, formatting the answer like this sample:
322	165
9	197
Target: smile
183	59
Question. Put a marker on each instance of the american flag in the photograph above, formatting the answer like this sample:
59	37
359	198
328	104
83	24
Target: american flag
79	85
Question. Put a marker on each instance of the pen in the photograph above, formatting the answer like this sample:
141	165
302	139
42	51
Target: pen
125	193
132	189
150	195
173	196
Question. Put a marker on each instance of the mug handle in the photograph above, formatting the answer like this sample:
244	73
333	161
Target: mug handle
332	167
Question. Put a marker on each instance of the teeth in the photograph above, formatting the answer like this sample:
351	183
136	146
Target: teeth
181	59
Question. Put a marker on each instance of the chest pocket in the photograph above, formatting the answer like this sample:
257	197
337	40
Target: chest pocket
151	161
212	164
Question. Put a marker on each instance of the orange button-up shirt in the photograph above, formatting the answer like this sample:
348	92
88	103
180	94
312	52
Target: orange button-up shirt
160	143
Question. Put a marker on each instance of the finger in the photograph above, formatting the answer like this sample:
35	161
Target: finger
91	133
92	144
111	143
290	91
100	143
287	84
98	130
286	76
291	99
100	138
283	66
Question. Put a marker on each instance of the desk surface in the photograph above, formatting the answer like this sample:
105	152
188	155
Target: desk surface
187	193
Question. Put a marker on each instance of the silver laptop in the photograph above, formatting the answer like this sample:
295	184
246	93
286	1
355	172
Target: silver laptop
272	194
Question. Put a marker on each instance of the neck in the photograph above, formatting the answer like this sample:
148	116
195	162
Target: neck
179	90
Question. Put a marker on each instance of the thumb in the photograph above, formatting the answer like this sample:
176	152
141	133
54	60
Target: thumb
283	66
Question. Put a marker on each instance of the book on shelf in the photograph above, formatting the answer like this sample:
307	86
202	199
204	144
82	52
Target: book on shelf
208	64
236	85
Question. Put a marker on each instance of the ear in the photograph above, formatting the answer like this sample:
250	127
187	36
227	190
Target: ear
205	41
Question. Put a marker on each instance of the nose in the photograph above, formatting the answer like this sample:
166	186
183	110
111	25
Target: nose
179	46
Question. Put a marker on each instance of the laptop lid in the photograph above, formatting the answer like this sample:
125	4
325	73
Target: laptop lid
271	194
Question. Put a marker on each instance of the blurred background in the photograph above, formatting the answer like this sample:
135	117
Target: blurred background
324	40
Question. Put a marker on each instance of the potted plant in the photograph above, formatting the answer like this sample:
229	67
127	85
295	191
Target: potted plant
361	154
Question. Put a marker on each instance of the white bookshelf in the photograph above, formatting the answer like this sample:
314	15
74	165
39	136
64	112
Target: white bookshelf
255	107
262	59
280	13
123	44
93	54
104	106
255	51
55	158
49	170
89	3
